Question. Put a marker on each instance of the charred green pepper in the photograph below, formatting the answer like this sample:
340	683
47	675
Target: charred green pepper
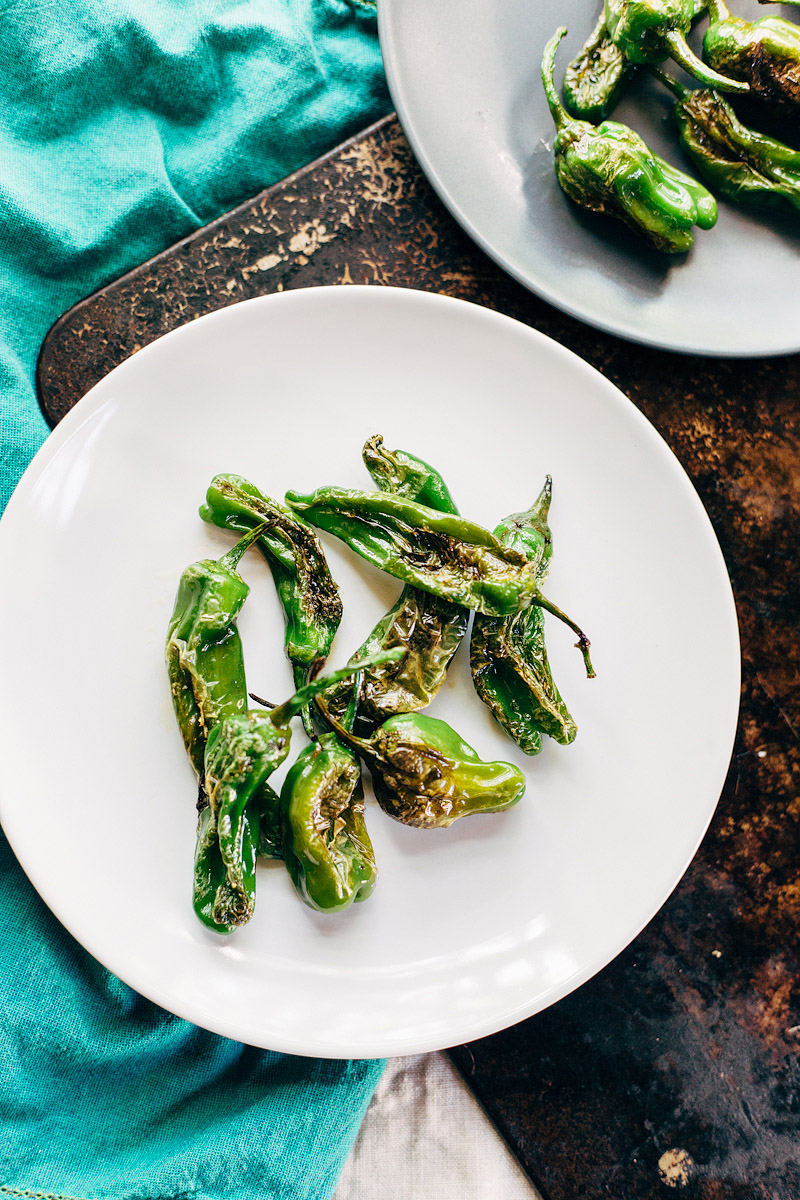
508	656
427	627
309	597
744	165
424	774
442	554
609	169
204	650
325	841
242	751
595	79
765	53
648	31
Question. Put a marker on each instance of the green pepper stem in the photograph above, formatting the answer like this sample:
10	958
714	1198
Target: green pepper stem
282	715
685	57
231	559
582	643
540	508
348	737
557	110
670	82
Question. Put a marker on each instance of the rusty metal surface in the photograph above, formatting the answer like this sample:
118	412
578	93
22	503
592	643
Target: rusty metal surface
675	1071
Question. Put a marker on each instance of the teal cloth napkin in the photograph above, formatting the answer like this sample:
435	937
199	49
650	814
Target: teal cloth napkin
124	125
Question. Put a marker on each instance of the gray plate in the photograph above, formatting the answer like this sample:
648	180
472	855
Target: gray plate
464	77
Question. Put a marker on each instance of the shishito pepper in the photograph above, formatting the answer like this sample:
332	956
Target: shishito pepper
508	656
309	597
428	628
424	774
649	31
595	79
741	163
765	54
325	841
609	169
204	650
443	554
403	474
241	753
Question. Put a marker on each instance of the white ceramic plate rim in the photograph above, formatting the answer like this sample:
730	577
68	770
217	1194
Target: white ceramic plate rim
464	1030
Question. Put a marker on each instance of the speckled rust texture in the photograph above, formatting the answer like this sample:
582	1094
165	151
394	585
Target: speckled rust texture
675	1071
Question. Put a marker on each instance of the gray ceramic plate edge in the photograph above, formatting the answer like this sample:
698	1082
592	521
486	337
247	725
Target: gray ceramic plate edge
736	346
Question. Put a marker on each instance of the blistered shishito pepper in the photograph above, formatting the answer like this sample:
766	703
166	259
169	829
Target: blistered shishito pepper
508	656
403	474
609	169
325	841
424	774
309	597
427	627
648	31
446	555
204	650
241	753
741	163
597	76
765	54
595	79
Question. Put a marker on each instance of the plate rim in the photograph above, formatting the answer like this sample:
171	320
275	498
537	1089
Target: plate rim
70	426
540	288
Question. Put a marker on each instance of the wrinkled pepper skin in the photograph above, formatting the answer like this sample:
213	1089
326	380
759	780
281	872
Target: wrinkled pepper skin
309	597
746	166
325	841
765	54
428	628
508	656
424	774
204	650
596	78
648	31
242	751
439	553
609	169
405	475
270	842
219	906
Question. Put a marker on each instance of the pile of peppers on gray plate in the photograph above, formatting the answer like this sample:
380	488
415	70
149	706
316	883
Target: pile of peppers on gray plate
606	167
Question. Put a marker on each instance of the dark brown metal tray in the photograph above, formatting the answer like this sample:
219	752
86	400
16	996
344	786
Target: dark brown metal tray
675	1070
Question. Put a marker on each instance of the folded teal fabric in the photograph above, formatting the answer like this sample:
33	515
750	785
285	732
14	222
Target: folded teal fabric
124	125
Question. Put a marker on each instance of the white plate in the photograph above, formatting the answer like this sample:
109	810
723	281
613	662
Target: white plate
465	79
471	928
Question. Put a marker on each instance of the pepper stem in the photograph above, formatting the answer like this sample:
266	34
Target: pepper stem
557	110
231	559
674	86
685	57
348	737
582	643
540	508
282	715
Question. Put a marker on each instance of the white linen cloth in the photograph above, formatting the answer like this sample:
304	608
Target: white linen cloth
425	1137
